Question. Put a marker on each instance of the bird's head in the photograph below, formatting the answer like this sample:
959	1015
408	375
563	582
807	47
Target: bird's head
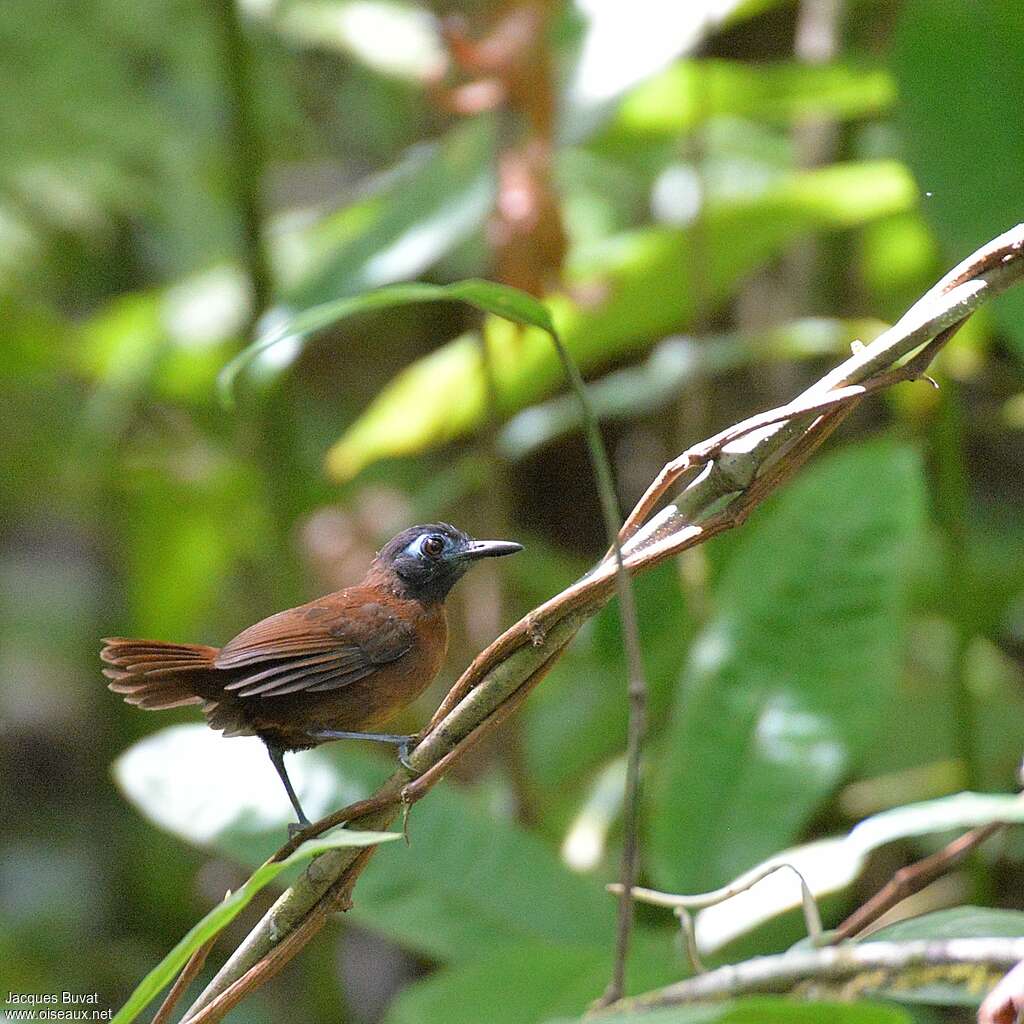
427	561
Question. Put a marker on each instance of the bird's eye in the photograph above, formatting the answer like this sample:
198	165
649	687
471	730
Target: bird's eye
433	545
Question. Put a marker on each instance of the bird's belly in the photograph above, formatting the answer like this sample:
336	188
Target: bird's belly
367	704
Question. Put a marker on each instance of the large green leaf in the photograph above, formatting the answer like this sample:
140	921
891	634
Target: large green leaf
527	983
788	682
954	125
647	284
469	882
589	679
230	907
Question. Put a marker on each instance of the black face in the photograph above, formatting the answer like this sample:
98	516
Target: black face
429	560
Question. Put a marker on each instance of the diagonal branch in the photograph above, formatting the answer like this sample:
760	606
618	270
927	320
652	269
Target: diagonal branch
731	474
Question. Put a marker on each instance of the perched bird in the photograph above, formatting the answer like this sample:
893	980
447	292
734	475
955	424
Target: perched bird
336	668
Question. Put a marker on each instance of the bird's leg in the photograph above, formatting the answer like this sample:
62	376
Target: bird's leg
277	759
402	742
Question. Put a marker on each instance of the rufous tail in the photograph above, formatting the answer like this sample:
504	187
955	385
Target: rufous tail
155	675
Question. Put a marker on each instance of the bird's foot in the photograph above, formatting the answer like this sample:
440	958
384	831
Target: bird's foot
297	827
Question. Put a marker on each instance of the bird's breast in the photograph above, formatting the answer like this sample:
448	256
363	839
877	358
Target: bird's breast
369	703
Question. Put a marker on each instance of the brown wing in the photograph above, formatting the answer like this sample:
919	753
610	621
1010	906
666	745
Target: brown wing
314	648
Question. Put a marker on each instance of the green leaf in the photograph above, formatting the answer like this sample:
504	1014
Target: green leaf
764	1010
470	882
500	300
589	679
405	222
229	909
530	982
647	288
679	363
955	923
950	124
691	91
788	682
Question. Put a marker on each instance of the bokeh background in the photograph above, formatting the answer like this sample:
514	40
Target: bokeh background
717	198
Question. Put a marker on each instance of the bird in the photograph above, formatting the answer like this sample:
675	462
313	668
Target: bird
339	667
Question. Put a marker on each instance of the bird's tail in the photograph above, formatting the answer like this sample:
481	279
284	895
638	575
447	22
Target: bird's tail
155	675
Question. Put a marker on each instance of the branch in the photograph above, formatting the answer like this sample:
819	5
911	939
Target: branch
913	878
743	464
885	963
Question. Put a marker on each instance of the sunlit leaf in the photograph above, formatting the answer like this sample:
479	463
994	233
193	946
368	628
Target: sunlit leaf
788	682
646	280
624	44
414	48
689	92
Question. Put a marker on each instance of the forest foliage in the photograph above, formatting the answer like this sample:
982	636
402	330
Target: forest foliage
198	202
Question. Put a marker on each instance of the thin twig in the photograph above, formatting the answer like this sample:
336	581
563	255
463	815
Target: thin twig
913	878
766	458
182	982
636	683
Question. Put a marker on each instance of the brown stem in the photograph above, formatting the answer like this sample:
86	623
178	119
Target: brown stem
182	982
913	878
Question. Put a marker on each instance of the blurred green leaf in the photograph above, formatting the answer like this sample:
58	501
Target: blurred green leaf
955	923
954	125
788	683
589	679
692	91
673	366
528	983
941	926
646	280
764	1010
231	906
501	300
407	220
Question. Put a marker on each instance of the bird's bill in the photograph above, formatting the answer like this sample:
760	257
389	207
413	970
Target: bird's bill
489	549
